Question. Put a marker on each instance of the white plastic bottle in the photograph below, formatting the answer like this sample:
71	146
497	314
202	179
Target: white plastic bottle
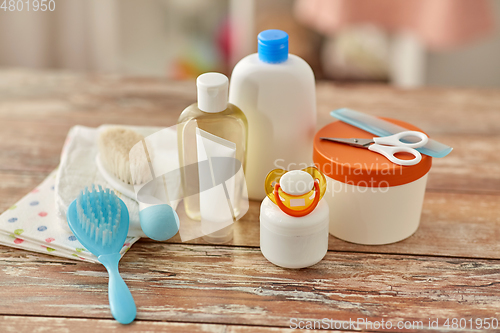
276	91
216	116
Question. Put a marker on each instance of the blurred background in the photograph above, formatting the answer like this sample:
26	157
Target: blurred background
407	43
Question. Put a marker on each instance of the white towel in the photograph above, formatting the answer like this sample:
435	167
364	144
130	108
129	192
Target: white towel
78	170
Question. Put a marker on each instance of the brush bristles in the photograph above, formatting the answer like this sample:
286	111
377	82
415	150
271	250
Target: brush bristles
114	146
99	214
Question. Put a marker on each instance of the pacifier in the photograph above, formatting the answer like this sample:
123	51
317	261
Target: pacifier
297	192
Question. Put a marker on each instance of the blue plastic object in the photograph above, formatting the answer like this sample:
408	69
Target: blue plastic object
100	221
159	222
273	46
381	127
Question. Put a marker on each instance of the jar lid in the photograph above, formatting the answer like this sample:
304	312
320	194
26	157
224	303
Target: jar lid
359	166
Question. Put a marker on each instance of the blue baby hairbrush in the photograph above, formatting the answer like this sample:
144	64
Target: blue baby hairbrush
99	220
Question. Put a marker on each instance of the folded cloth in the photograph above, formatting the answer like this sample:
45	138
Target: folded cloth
31	224
79	170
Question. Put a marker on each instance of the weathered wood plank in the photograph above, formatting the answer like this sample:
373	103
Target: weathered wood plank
224	285
38	108
234	284
474	165
15	185
436	110
452	224
460	225
61	95
25	324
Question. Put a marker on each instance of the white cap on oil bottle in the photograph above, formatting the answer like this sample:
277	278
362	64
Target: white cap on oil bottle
212	92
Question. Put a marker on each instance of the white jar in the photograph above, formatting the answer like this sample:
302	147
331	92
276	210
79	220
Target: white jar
373	216
293	242
276	91
372	201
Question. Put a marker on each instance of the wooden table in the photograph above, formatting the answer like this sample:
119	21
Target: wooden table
449	268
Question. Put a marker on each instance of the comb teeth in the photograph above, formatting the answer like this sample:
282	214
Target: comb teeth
99	214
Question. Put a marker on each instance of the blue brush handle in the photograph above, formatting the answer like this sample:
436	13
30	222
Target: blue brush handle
121	301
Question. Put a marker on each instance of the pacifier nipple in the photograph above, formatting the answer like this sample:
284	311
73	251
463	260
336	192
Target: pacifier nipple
296	182
296	192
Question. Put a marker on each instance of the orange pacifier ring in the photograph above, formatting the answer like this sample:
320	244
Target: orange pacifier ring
297	203
298	213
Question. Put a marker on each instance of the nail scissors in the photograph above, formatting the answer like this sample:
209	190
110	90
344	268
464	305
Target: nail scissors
390	145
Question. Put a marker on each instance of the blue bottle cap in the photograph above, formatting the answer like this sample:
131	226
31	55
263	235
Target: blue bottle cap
273	46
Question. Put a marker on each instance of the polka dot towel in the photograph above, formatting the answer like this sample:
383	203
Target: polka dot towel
32	224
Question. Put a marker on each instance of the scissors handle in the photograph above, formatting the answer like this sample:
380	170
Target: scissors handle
389	152
395	139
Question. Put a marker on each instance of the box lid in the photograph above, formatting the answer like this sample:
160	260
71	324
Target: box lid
359	166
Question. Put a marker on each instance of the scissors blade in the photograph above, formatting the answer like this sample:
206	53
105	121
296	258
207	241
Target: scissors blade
360	143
